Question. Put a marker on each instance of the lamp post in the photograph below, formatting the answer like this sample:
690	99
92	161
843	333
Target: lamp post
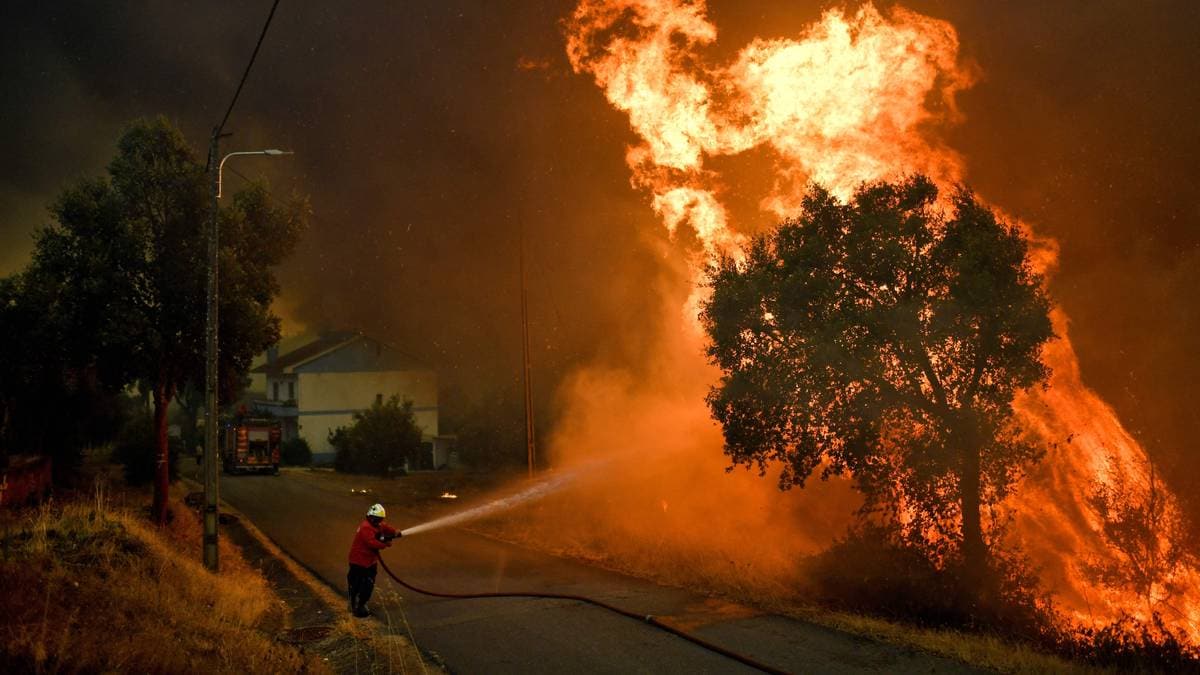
210	329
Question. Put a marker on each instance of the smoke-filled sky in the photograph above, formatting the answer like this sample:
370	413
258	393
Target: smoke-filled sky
427	133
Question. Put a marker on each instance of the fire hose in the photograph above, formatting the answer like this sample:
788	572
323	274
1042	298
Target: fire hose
646	618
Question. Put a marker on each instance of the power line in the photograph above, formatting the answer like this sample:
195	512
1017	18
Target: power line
250	65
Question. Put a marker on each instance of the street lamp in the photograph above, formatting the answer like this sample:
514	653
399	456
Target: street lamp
210	379
221	167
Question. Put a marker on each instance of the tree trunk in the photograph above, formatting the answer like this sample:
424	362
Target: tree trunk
973	550
162	469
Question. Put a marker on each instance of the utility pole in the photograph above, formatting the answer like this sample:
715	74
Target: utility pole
210	363
529	439
215	163
212	348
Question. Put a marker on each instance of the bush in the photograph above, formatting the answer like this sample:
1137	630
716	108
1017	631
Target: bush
873	571
1133	645
379	441
295	452
135	450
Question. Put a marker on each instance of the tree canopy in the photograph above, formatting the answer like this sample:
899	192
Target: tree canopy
123	269
885	336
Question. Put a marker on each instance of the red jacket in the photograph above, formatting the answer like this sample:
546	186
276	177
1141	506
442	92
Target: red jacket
364	552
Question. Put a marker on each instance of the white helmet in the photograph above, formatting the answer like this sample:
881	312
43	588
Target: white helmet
377	511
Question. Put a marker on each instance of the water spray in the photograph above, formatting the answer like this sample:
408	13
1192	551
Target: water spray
529	494
533	493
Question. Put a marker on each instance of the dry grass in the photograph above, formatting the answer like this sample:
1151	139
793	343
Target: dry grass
89	586
976	649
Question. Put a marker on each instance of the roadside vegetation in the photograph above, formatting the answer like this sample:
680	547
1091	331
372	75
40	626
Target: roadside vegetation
296	452
382	440
89	584
114	298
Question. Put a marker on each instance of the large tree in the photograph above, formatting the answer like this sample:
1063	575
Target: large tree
126	261
885	336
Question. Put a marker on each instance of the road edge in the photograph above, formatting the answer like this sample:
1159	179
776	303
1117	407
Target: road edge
430	661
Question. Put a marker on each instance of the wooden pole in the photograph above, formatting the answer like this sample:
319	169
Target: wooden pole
528	385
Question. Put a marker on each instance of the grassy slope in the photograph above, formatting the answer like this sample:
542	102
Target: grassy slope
974	648
90	586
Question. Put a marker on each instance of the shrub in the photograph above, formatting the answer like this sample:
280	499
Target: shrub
137	452
379	441
873	571
1133	645
295	452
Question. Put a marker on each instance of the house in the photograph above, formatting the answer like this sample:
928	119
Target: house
316	384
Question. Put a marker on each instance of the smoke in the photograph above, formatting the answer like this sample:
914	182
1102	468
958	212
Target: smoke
425	133
662	505
827	104
424	136
856	97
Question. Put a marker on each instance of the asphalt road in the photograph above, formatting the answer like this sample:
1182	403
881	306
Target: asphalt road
314	519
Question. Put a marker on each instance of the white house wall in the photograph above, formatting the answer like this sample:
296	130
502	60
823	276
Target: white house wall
328	400
283	381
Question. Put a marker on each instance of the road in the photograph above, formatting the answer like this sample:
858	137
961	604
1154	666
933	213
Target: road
314	519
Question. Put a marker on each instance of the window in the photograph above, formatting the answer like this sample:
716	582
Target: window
378	399
274	391
291	391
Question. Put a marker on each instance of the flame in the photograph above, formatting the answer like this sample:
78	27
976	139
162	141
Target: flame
856	97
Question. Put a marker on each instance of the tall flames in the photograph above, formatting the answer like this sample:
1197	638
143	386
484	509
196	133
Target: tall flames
857	97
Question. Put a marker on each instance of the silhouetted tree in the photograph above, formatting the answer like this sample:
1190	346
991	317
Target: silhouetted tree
1144	526
51	402
125	266
884	336
379	439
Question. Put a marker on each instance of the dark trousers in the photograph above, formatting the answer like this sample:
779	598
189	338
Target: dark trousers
361	581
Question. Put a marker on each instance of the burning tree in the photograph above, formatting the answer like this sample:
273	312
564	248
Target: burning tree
1145	529
885	336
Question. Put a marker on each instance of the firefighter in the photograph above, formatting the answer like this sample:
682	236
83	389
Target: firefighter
373	535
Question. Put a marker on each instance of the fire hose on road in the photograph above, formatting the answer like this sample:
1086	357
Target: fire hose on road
647	618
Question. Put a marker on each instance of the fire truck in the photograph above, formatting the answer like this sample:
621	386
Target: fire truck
250	443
